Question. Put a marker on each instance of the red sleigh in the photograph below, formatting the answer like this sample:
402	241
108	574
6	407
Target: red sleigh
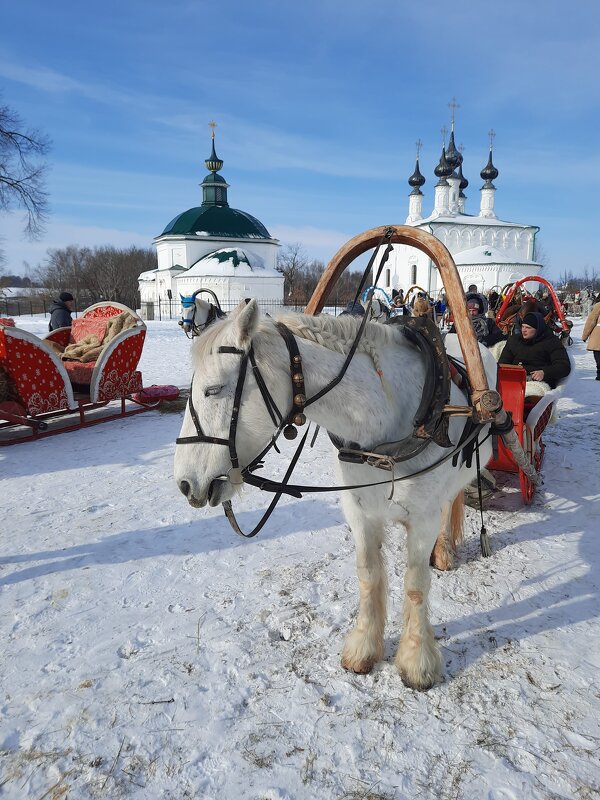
39	386
530	415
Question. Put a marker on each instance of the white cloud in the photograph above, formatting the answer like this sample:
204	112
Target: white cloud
320	243
60	233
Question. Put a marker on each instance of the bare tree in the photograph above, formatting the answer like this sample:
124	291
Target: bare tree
65	268
23	171
112	274
291	262
101	273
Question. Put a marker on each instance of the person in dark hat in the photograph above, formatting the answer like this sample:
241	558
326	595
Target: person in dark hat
486	330
60	311
538	350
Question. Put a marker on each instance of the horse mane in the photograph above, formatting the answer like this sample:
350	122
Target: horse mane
337	333
334	333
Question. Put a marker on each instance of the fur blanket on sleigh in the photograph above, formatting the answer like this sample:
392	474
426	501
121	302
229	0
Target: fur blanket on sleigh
89	348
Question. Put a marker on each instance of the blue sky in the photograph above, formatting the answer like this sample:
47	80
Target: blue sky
318	107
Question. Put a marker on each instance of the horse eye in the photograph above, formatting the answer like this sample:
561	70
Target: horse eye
211	391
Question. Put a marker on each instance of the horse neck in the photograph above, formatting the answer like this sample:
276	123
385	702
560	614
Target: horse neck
362	407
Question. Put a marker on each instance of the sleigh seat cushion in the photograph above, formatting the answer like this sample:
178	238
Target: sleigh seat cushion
83	327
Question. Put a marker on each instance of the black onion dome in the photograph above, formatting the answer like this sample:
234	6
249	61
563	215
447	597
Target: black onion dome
453	156
443	169
463	181
489	172
416	180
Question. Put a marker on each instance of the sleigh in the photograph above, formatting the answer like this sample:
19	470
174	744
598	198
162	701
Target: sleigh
517	293
42	387
531	415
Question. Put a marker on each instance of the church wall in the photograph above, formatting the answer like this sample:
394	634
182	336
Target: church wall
231	290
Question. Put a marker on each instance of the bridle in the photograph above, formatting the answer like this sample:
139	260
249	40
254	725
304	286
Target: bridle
230	443
285	424
215	312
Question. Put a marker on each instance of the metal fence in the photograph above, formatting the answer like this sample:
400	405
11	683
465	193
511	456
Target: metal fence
21	306
166	309
171	309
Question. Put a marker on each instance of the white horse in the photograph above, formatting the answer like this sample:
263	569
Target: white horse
197	313
375	402
380	306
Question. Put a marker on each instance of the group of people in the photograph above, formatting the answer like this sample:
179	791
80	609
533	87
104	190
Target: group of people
532	344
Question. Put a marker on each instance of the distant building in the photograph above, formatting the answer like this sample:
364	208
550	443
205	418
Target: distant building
488	251
213	247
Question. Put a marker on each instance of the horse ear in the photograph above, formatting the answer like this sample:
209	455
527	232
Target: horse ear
245	320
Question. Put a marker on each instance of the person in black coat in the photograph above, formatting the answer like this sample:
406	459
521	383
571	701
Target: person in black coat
60	311
538	350
486	330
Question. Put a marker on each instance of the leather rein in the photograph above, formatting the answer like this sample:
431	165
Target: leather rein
287	425
426	431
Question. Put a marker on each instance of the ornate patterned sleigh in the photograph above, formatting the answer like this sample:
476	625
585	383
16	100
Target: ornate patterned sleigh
42	386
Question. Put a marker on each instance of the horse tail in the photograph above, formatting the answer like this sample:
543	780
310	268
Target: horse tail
457	519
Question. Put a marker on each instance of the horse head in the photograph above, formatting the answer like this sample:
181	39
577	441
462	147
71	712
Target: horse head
211	449
197	314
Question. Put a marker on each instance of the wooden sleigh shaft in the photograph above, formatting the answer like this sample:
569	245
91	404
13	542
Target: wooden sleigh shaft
486	401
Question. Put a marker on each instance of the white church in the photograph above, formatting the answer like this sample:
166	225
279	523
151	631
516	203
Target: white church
213	247
489	252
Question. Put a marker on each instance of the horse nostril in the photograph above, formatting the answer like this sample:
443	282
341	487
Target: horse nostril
184	487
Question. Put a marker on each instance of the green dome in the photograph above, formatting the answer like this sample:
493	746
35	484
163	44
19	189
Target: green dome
221	221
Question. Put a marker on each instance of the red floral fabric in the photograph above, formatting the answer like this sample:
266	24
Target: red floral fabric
79	372
103	311
119	377
39	385
86	326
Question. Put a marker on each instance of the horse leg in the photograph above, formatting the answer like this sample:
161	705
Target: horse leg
451	533
418	658
363	647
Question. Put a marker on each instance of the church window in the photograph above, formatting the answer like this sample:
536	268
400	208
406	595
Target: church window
413	273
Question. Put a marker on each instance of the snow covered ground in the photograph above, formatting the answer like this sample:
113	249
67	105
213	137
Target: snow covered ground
150	653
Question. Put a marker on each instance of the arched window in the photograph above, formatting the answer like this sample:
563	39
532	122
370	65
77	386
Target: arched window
387	277
413	273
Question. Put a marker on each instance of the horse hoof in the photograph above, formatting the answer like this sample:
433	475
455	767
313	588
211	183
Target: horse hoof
420	685
443	562
359	667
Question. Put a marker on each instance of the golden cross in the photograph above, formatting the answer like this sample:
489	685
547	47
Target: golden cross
419	145
212	124
444	131
492	135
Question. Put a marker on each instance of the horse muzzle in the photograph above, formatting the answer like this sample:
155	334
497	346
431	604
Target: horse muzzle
218	491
